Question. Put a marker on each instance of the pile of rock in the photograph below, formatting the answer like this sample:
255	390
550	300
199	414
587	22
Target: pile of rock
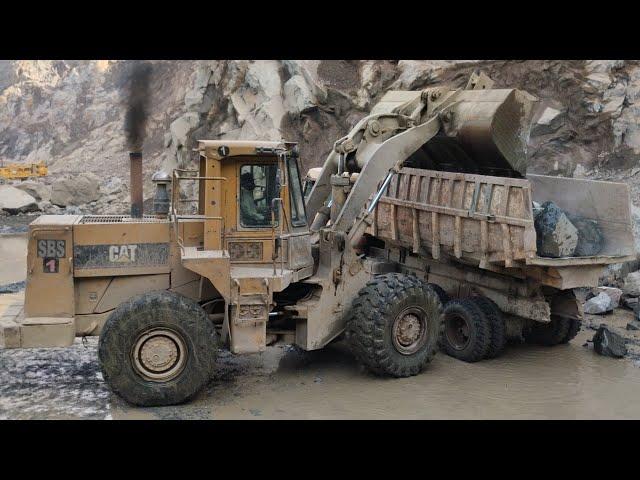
80	194
612	338
559	234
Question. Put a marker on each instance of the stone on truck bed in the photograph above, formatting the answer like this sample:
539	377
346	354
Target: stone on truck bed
560	234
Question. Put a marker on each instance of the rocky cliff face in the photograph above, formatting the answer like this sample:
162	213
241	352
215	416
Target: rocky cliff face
70	114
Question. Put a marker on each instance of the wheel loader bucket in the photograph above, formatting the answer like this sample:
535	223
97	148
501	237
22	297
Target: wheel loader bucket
492	127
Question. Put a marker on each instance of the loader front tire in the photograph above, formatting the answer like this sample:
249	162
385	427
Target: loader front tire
394	325
157	349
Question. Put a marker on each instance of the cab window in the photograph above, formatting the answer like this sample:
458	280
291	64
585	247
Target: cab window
258	186
298	215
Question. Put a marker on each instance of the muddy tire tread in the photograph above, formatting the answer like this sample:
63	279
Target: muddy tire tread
574	327
444	297
550	334
482	336
160	308
498	335
368	325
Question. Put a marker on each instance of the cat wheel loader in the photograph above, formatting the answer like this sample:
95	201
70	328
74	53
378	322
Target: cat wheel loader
417	236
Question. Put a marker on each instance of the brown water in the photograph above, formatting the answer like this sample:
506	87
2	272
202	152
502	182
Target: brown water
527	382
564	382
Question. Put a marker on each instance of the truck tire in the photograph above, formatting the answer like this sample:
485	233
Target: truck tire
574	328
467	332
394	325
549	334
157	349
498	337
442	295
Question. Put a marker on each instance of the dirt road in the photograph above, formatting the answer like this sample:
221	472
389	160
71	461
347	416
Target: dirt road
527	382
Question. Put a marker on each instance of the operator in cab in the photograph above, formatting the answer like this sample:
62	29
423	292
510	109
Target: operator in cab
248	209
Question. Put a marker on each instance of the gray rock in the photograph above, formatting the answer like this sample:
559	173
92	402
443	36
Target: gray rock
298	97
37	190
633	325
599	304
71	210
550	121
556	235
615	294
79	190
14	201
590	239
13	287
608	343
629	302
113	186
632	284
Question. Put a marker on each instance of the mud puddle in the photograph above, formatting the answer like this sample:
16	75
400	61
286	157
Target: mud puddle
563	382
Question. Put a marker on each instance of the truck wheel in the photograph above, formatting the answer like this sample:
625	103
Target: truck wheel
157	349
574	328
442	295
467	332
394	325
498	337
550	334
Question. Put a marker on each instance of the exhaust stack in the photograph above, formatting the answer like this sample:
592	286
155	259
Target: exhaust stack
135	167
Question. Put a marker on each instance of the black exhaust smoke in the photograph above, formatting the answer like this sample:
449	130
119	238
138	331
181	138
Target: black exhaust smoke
135	123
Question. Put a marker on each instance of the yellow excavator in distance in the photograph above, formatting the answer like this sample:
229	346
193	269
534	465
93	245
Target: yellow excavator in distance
19	171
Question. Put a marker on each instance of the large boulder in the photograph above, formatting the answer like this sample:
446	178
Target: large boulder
14	201
590	239
608	343
598	305
632	284
615	294
37	190
556	235
79	190
549	122
298	97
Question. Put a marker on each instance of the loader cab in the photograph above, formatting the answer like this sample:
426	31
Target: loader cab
250	203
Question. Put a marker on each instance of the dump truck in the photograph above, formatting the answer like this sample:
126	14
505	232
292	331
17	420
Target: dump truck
416	236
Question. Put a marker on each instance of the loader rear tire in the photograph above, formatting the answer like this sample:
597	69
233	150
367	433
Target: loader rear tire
467	331
394	325
498	337
157	349
557	331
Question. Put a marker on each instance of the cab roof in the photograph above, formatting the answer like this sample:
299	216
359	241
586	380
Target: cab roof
229	148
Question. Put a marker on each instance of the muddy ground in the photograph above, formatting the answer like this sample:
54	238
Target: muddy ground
564	382
527	382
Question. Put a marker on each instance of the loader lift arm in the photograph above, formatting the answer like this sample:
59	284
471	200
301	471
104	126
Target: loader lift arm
489	126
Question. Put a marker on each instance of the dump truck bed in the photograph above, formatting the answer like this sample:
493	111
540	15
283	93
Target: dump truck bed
488	221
